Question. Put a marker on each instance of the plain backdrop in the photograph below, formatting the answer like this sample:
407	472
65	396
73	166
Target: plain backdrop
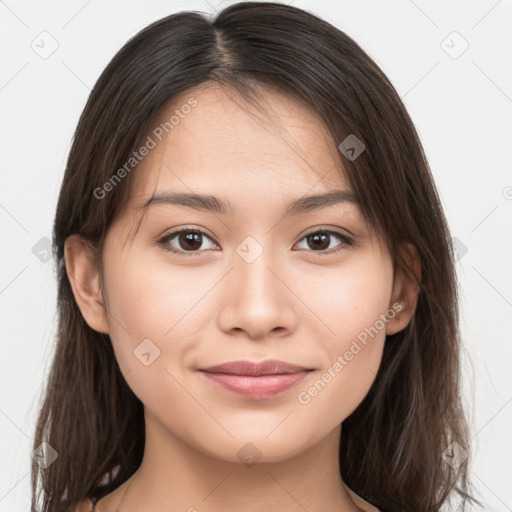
449	61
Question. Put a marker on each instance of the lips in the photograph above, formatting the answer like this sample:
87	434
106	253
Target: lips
256	380
269	367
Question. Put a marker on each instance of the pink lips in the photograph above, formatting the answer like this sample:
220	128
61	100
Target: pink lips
256	380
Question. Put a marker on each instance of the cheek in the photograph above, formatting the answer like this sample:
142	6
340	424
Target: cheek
143	305
152	298
156	315
353	309
148	308
350	299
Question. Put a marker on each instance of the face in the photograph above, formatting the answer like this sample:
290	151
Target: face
196	287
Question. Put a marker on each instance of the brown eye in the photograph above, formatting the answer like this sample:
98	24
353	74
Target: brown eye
190	241
320	241
185	241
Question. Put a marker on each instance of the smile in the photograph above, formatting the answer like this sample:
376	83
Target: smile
256	387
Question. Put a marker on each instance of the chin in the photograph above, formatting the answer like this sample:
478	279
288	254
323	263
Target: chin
254	447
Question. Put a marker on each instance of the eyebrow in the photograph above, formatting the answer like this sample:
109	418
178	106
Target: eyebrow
211	203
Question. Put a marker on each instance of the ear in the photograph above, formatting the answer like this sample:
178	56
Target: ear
84	278
405	290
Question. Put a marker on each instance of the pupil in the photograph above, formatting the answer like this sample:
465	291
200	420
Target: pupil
323	237
190	238
321	240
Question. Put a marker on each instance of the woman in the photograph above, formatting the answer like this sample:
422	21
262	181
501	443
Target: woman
257	298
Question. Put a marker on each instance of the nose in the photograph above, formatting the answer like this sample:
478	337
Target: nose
258	300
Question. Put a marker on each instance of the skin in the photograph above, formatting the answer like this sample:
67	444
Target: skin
292	303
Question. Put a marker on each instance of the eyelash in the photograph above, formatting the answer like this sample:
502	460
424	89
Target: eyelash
163	242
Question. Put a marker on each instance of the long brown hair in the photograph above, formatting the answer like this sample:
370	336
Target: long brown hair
392	445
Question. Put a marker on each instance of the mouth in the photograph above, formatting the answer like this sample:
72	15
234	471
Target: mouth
256	381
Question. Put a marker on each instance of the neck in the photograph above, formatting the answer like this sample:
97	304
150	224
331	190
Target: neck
175	476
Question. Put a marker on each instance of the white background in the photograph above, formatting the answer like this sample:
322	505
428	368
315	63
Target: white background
461	107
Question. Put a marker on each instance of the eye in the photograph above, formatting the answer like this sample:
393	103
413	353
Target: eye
189	239
320	241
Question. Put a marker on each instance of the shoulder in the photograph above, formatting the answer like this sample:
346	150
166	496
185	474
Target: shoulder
364	505
85	506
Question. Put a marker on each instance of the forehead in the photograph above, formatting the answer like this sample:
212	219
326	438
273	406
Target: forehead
225	145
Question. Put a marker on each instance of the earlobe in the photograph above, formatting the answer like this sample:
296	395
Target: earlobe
83	276
405	291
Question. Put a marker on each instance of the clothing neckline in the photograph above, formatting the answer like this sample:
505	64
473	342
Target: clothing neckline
361	501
